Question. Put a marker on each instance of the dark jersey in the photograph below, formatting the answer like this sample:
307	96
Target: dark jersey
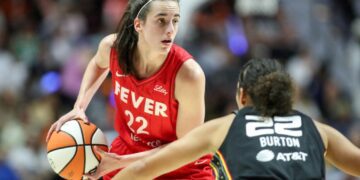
281	147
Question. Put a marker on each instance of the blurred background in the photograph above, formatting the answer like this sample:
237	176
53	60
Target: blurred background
45	46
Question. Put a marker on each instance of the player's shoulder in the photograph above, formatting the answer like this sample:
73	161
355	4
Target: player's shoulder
191	71
324	131
107	42
102	56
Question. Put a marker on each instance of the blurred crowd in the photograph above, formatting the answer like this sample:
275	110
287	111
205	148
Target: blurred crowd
45	46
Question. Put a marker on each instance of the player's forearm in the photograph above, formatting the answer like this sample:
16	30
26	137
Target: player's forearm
154	166
133	172
130	158
143	169
189	148
93	77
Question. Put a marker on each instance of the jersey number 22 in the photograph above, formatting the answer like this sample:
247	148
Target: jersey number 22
258	126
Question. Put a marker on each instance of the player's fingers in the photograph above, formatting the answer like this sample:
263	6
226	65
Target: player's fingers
88	176
50	132
115	156
62	120
92	175
86	120
99	151
58	126
83	116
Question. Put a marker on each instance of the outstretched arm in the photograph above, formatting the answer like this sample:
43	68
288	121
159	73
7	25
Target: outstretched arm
202	140
339	150
111	161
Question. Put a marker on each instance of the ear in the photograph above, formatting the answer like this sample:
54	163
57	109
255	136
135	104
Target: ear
137	24
241	98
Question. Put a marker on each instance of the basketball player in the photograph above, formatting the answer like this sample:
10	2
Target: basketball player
265	139
159	88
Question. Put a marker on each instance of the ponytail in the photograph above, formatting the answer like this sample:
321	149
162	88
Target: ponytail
269	87
272	94
125	42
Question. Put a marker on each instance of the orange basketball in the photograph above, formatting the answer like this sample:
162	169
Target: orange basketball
71	151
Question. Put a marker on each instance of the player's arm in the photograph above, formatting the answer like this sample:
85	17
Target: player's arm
95	73
339	150
202	140
190	93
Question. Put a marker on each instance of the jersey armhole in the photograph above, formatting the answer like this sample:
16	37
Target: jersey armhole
318	135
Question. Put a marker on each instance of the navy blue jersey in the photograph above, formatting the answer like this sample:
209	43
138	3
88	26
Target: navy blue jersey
279	147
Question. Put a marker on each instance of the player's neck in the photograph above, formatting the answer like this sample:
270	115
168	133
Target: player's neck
147	62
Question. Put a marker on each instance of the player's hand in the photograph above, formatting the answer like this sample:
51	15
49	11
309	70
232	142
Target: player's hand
76	113
109	162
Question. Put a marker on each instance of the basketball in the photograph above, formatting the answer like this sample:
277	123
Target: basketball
71	151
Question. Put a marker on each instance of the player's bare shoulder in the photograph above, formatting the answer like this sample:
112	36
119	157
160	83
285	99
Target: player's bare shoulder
190	72
323	129
102	56
189	76
108	41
